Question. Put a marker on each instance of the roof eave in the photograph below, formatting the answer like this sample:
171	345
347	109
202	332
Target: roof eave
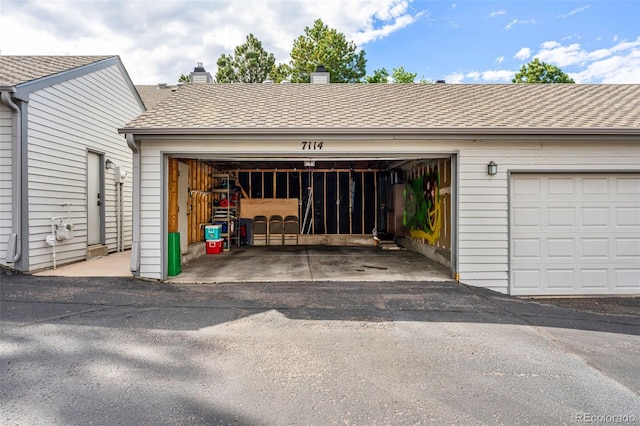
440	131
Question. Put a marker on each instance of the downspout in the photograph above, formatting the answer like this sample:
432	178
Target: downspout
134	265
14	245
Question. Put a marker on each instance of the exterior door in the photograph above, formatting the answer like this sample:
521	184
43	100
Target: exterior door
94	199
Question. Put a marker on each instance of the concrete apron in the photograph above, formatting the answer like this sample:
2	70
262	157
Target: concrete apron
311	264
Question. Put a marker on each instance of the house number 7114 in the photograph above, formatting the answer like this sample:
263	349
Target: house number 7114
312	145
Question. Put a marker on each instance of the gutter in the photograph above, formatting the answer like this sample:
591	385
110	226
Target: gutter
134	263
14	245
477	132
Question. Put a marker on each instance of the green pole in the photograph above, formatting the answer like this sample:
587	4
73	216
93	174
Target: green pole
175	256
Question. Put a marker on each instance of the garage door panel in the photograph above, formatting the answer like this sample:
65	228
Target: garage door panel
628	247
628	186
596	278
526	280
594	248
527	217
595	217
560	279
561	217
560	186
527	248
595	186
628	279
628	216
561	248
575	234
526	187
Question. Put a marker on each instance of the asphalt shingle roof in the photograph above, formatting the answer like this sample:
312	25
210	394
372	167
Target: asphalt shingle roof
15	70
393	106
153	94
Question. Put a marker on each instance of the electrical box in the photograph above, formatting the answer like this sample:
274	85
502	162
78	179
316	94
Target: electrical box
120	175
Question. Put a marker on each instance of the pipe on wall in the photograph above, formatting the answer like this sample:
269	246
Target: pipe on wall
14	245
134	265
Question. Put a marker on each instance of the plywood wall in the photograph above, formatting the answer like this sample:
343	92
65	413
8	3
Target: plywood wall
427	202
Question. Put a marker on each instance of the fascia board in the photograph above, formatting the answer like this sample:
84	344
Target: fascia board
23	90
467	133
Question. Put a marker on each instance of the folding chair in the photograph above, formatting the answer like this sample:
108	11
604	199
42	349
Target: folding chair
291	230
276	230
260	234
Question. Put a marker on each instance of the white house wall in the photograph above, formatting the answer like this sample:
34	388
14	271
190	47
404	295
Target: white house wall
65	122
483	207
5	180
483	200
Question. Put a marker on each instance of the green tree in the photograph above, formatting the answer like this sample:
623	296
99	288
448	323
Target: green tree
321	45
249	64
280	72
541	72
399	75
184	79
379	76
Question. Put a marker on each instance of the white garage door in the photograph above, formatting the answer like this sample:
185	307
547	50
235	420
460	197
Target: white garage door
575	234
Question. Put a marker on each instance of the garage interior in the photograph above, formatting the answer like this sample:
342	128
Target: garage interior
303	202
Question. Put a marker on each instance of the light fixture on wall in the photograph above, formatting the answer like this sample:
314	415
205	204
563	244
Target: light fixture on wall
492	168
109	165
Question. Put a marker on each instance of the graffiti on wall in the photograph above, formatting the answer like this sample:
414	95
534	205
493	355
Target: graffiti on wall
423	207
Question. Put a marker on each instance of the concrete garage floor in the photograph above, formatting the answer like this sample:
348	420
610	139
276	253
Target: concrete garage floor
311	264
279	264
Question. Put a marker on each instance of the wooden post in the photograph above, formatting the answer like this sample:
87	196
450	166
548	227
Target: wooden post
364	231
375	199
173	195
194	201
324	190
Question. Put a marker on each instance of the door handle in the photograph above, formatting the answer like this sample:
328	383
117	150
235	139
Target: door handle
99	203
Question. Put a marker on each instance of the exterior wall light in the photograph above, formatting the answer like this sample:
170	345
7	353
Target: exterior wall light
492	168
109	165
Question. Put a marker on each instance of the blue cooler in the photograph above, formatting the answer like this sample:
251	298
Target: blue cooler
212	232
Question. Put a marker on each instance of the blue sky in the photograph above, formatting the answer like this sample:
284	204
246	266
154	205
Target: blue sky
458	41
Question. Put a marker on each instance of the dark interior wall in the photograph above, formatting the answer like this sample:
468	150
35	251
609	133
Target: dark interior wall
343	201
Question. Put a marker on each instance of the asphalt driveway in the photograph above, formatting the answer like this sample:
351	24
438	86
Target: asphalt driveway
125	351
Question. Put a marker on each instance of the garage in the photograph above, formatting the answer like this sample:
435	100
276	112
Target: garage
575	234
500	184
308	202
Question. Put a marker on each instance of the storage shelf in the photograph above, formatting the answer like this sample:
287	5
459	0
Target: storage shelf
228	214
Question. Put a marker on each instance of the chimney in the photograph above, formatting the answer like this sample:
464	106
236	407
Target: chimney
200	75
320	76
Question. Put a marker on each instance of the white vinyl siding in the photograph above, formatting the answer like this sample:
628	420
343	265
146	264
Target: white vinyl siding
5	180
151	227
65	121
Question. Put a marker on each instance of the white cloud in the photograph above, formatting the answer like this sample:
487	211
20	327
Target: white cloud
498	13
499	59
575	11
619	63
474	75
490	76
454	78
498	76
159	40
511	24
612	70
523	54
